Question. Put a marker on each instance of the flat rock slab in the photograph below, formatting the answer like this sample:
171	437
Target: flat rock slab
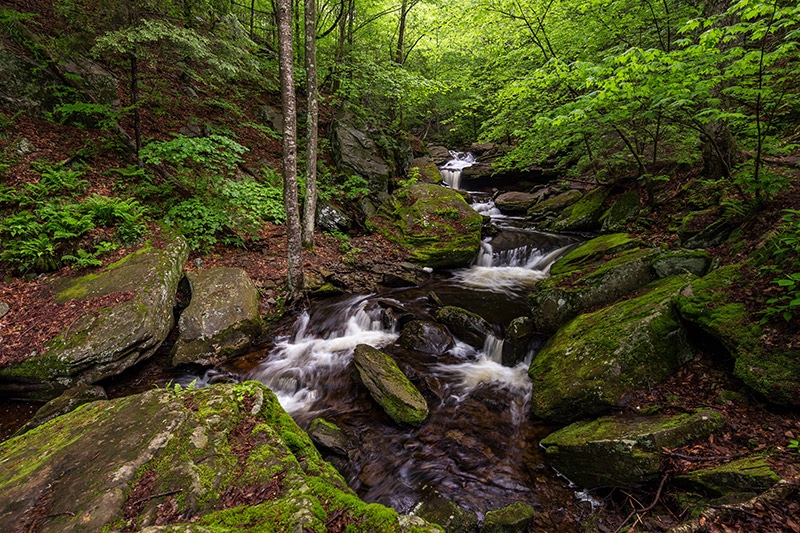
619	451
106	342
389	386
221	320
220	458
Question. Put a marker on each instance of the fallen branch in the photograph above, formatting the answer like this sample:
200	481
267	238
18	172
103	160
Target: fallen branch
649	507
154	496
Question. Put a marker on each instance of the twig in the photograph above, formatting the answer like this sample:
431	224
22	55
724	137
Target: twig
154	496
649	507
700	459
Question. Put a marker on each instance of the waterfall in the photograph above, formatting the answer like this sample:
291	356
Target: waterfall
451	171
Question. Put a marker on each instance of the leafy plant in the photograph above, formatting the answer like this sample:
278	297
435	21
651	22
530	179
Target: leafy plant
208	154
198	221
784	264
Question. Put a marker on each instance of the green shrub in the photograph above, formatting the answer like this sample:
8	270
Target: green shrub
784	265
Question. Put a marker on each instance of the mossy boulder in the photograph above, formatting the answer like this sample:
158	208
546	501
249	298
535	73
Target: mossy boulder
553	206
104	343
435	224
593	363
355	151
389	386
619	451
593	252
710	304
466	325
427	169
583	215
437	509
329	436
514	518
221	319
518	336
621	212
560	298
676	262
70	400
221	458
751	475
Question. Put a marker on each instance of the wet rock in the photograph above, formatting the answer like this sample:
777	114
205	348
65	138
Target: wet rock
402	274
69	401
558	299
439	154
583	215
622	211
436	509
620	451
105	343
751	475
426	337
518	336
514	518
329	436
554	205
389	386
428	171
710	304
165	457
515	203
678	262
466	325
594	362
355	151
221	320
435	224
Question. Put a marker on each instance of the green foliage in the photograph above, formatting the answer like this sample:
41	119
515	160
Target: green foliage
199	222
784	265
86	114
208	154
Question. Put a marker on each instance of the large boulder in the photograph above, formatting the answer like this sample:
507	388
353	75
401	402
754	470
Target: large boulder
514	202
466	325
514	518
622	211
594	252
218	458
357	152
558	299
426	168
221	320
437	227
710	304
389	386
553	206
583	215
104	343
747	475
426	337
593	363
619	451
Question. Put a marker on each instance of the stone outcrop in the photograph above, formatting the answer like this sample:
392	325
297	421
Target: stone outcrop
104	343
553	206
356	151
515	203
211	459
221	320
746	476
620	451
583	215
623	210
389	387
593	363
709	303
435	224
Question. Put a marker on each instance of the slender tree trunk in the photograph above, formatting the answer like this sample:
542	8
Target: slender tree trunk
293	235
137	116
401	32
310	206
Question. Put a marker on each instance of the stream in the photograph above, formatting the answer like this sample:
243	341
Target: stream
479	446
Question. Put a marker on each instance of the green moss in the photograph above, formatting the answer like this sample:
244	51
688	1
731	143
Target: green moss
750	474
513	518
583	214
593	251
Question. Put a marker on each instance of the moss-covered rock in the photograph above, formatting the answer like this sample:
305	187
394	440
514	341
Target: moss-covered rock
221	320
709	303
554	205
746	475
514	518
329	436
104	343
560	298
427	169
618	451
622	211
594	251
595	361
519	333
389	386
226	457
435	224
676	262
583	215
437	509
466	325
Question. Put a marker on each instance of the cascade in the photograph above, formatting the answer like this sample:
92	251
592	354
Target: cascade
451	171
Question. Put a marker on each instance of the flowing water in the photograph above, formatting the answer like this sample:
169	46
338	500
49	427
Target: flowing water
479	446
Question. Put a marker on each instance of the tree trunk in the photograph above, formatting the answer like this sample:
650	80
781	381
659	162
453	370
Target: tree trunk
401	32
310	206
293	235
